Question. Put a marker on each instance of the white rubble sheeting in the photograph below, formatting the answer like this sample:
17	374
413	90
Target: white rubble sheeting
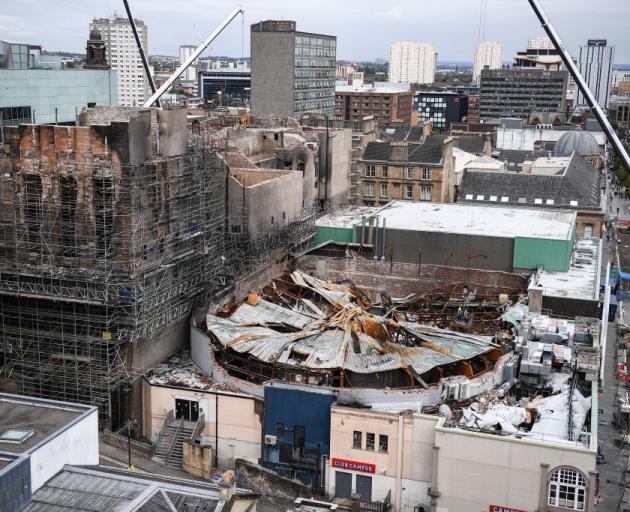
553	415
508	418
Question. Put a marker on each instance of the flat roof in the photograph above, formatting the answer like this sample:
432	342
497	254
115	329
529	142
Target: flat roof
581	281
369	89
479	220
345	217
44	417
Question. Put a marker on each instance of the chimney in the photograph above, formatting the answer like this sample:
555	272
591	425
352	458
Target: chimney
399	151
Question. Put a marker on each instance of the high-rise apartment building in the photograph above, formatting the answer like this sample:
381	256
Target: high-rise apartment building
124	58
186	51
487	54
292	72
412	63
595	62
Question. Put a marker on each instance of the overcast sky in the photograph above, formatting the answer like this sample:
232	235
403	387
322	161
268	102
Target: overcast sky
364	28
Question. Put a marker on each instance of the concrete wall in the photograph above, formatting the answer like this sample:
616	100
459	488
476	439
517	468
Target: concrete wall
476	470
272	55
239	420
335	186
271	203
68	90
449	249
77	445
197	460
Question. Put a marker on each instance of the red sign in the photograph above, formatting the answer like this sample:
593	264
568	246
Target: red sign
353	465
500	508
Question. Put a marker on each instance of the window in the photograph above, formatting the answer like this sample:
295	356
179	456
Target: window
384	172
383	189
427	174
538	201
368	189
299	434
409	192
409	173
357	439
425	194
382	443
369	441
567	489
279	430
370	171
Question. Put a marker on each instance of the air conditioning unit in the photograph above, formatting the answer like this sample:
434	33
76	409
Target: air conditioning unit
271	440
453	391
464	390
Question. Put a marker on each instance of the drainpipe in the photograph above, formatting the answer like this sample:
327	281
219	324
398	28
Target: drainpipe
216	430
399	464
375	239
433	492
383	242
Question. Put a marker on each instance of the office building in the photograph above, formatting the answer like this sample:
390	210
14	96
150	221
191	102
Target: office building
441	108
595	62
34	92
292	72
487	54
619	112
124	58
620	76
540	43
219	84
413	63
386	103
530	94
186	51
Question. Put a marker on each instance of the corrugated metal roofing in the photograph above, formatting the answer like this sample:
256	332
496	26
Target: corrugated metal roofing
268	313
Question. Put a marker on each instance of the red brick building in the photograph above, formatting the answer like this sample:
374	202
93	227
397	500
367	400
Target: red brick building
386	104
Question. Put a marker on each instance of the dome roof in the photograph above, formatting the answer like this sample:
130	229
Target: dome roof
583	143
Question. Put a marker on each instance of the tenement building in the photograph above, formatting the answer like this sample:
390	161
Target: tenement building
408	171
292	72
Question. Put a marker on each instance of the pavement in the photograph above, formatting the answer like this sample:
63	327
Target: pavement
610	471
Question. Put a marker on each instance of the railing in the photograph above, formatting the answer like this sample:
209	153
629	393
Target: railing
197	429
167	420
180	425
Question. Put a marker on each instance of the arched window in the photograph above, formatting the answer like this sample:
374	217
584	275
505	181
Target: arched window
567	489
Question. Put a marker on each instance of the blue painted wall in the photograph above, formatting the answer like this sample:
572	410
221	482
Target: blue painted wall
304	407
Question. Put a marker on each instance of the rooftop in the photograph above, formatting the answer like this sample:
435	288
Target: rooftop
479	220
428	153
581	281
578	186
79	489
345	217
369	89
44	417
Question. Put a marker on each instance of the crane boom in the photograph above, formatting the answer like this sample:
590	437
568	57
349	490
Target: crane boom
143	56
581	83
156	96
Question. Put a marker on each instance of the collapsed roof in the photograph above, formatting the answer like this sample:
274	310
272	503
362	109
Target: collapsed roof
332	334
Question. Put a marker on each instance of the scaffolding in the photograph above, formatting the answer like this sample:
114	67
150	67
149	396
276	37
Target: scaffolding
96	257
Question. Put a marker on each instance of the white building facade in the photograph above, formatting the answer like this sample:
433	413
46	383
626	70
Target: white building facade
595	62
487	54
186	51
412	63
540	43
124	58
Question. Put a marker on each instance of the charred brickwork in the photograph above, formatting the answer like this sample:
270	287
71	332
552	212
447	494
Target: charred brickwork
106	243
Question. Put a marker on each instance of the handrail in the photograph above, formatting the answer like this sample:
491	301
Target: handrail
167	419
175	436
197	429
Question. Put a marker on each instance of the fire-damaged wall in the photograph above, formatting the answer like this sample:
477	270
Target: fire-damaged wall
110	232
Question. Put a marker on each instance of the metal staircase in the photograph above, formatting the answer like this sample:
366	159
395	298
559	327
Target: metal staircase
168	448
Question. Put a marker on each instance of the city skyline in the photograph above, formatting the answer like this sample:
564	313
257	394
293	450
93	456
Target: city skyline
510	22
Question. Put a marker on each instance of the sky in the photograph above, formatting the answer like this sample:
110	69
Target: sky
364	28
